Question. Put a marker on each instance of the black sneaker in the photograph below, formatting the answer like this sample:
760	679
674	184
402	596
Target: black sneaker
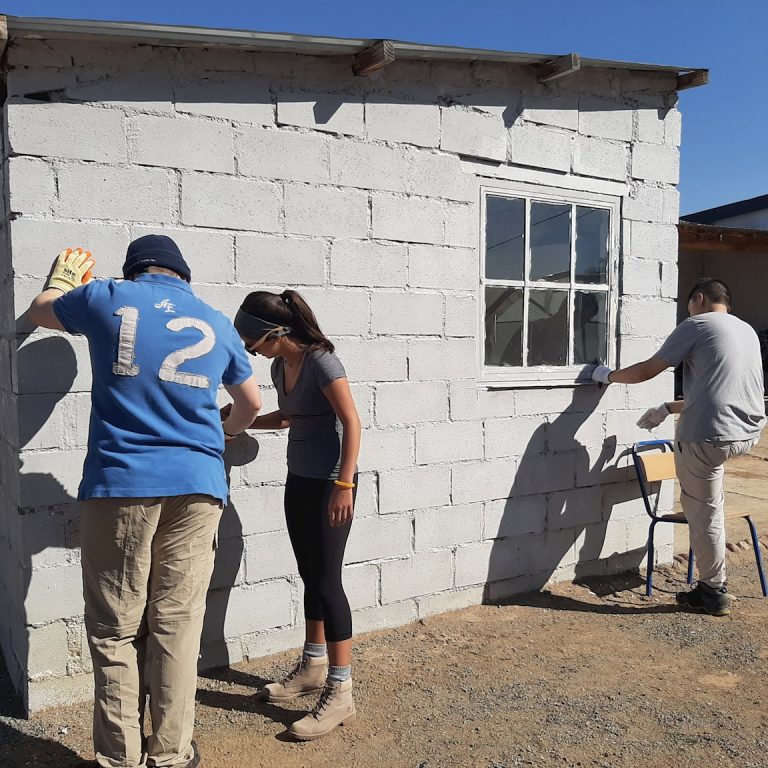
715	602
195	761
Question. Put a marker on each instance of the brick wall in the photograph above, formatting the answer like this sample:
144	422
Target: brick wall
285	170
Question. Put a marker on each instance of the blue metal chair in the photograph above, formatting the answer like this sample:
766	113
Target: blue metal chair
653	466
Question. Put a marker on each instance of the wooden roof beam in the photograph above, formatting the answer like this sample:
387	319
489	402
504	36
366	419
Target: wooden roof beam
554	69
374	58
693	79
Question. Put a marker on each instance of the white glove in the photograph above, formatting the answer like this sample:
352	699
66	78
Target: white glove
601	374
653	417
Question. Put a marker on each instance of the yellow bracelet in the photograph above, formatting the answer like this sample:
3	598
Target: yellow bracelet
342	484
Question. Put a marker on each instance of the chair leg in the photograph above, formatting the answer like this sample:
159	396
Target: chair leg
649	566
690	565
758	556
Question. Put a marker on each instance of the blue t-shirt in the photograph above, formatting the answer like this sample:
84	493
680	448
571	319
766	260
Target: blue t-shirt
158	355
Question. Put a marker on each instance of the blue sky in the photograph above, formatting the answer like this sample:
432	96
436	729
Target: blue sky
724	152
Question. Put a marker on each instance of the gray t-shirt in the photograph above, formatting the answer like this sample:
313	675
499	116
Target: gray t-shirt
722	378
314	437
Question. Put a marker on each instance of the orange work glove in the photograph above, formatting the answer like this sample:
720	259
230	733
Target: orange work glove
71	269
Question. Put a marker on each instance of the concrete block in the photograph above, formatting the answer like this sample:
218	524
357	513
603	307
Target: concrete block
288	155
383	449
276	641
641	278
407	219
574	508
191	144
571	431
368	263
604	159
39	53
505	518
369	166
472	563
374	360
461	222
673	128
333	113
671	207
431	605
468	401
411	402
526	435
473	133
50	477
423	573
623	502
222	97
540	147
432	266
268	556
542	553
414	488
461	316
126	194
482	481
35	244
31	185
402	122
635	350
432	359
544	474
48	650
263	606
228	570
647	317
47	130
340	312
361	585
653	241
44	536
600	117
58	692
363	397
255	509
656	163
270	464
437	175
559	110
367	500
227	202
279	260
43	421
384	617
650	125
644	203
449	441
448	526
151	88
669	287
601	541
600	466
407	313
623	425
377	538
54	593
534	402
326	211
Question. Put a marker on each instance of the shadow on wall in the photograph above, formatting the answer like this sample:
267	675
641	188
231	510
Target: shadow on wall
50	530
547	527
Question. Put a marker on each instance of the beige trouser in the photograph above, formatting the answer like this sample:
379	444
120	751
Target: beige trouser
700	471
146	564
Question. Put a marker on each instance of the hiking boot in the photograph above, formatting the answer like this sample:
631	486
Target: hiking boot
715	602
334	707
308	676
195	761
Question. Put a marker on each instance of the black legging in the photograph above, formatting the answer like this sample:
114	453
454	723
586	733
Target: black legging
319	550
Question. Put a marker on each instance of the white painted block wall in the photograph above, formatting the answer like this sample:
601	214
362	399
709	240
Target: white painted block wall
285	170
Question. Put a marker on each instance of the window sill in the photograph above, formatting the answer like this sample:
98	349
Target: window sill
537	378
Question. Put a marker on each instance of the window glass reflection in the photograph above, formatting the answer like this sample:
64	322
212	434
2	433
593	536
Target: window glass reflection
503	326
548	327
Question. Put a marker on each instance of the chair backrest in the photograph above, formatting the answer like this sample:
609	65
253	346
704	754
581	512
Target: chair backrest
657	466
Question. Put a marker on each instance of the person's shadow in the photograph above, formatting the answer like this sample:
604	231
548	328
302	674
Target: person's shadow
556	524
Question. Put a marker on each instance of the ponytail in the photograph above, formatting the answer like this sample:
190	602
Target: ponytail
289	309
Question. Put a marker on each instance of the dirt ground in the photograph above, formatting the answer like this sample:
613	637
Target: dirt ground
592	674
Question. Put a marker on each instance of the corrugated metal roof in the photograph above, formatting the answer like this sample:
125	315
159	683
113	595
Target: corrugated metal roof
158	34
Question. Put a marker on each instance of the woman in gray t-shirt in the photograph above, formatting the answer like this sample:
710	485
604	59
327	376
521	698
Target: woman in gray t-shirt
316	405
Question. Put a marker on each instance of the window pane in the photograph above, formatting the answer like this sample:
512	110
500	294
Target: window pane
548	327
504	238
590	343
551	242
592	231
503	326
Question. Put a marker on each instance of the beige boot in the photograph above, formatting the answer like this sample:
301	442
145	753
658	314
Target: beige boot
308	676
334	707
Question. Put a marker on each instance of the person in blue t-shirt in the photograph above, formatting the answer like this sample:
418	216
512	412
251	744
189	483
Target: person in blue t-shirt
153	485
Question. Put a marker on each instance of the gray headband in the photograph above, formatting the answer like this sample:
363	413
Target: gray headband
255	327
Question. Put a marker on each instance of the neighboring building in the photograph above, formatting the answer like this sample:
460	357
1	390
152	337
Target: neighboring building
474	229
729	242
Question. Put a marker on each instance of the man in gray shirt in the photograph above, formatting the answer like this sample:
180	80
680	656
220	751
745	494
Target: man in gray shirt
721	416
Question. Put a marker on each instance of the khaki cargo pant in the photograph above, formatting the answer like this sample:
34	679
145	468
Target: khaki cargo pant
700	469
146	565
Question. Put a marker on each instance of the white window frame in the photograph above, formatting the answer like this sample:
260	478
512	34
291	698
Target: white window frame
503	377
